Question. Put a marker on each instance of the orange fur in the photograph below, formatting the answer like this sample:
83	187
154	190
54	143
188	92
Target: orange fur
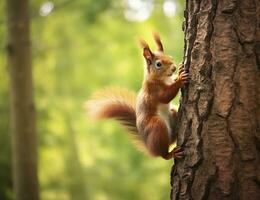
150	119
119	104
158	41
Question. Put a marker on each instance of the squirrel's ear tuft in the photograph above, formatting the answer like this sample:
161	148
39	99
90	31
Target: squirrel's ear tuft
158	41
143	43
147	53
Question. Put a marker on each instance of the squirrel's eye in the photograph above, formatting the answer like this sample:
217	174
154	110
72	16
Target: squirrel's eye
158	64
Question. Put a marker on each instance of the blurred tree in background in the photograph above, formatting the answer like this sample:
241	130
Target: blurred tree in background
23	117
78	47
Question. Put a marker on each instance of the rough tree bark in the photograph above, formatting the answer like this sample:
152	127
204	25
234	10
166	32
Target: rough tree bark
219	122
24	145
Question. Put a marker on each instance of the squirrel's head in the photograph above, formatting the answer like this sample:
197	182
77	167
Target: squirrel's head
158	65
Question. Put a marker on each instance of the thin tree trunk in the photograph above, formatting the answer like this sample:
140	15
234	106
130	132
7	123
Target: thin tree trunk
219	121
76	179
24	145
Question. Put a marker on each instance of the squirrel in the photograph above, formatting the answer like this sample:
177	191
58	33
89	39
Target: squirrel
148	116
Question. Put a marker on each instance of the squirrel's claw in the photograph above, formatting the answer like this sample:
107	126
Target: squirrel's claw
178	153
177	149
181	68
183	77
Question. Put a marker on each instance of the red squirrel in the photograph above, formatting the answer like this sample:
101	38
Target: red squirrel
148	117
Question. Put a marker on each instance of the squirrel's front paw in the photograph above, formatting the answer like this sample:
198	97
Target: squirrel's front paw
183	77
178	153
181	68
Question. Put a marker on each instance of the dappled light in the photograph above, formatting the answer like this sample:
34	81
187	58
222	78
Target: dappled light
79	47
46	8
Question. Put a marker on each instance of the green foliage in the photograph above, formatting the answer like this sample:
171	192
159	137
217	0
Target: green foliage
80	47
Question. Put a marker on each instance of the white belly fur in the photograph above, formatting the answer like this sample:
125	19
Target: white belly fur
164	112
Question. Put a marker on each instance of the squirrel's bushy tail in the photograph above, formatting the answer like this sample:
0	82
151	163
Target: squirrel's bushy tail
119	104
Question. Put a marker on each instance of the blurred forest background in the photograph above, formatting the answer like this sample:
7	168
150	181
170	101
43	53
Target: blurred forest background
78	47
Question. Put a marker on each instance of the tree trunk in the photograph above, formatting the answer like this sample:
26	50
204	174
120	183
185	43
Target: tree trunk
76	180
219	120
24	144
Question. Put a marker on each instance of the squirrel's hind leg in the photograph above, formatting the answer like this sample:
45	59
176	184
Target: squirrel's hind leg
173	123
157	140
177	152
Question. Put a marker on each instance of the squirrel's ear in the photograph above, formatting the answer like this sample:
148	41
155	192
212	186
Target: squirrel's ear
147	53
158	41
